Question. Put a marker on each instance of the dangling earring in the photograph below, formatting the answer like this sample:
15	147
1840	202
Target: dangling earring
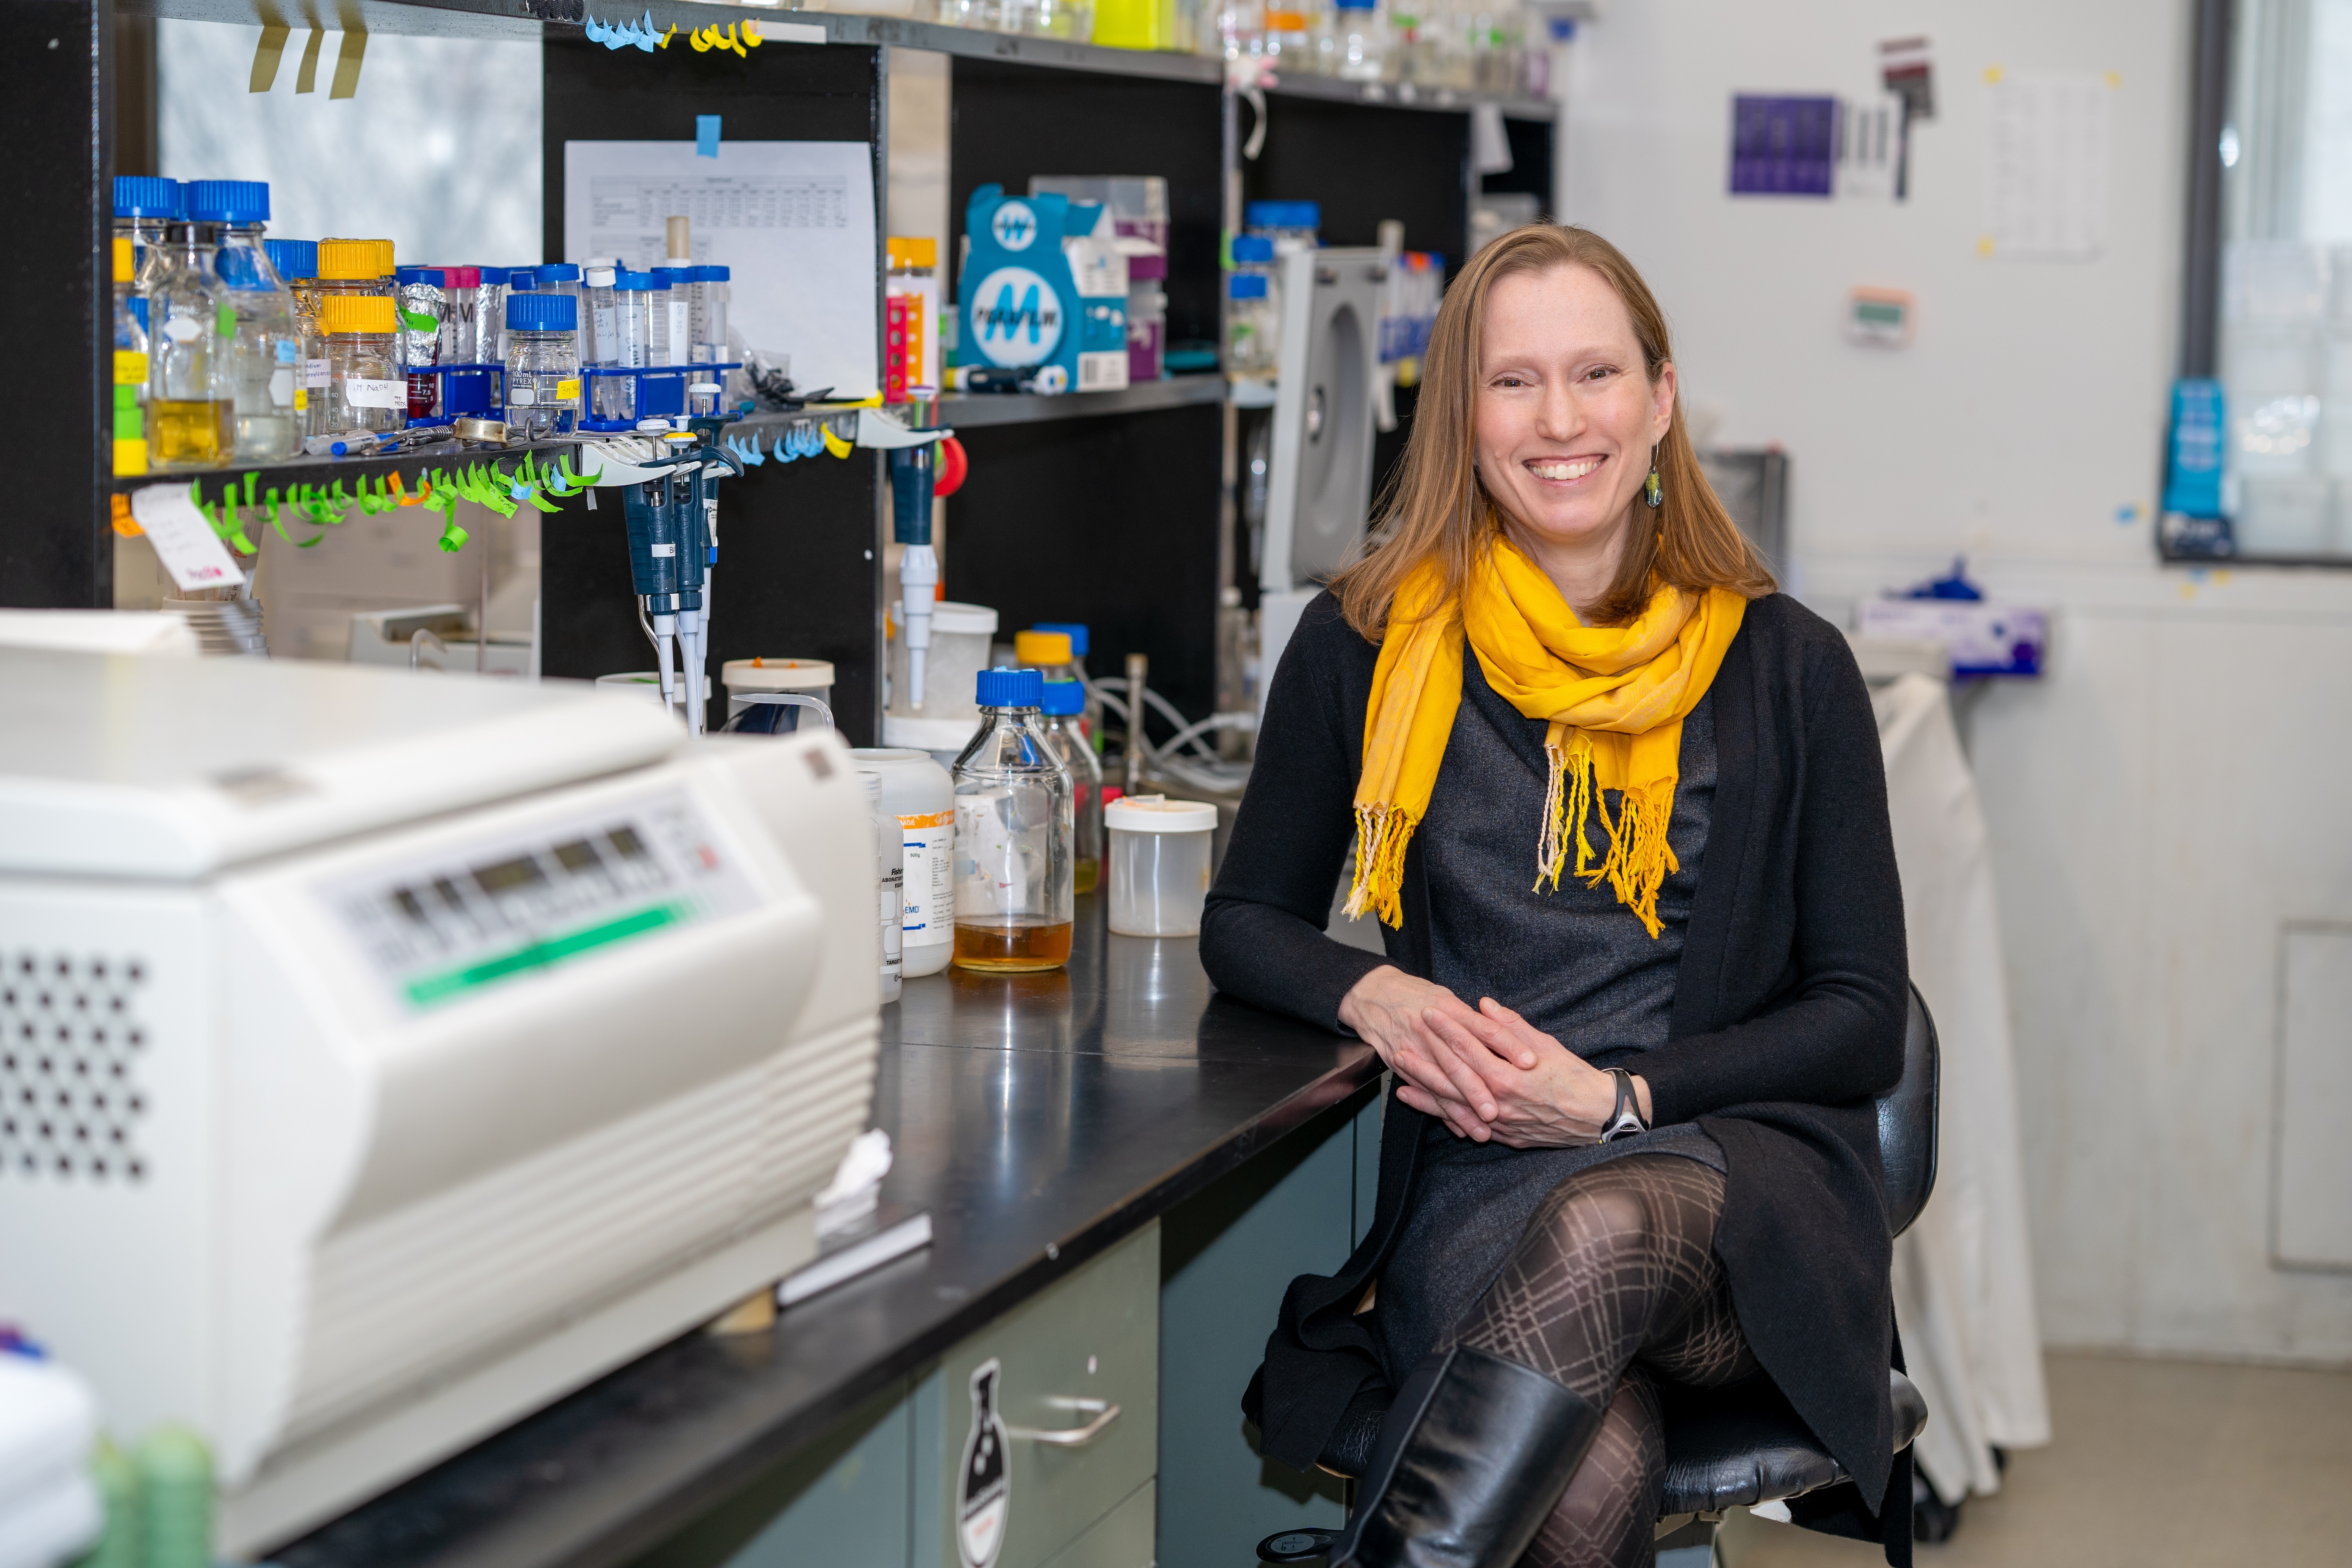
1654	494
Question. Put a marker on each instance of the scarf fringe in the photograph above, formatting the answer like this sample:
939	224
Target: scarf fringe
1382	833
1639	856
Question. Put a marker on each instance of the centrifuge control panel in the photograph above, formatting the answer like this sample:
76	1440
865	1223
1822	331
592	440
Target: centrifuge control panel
443	930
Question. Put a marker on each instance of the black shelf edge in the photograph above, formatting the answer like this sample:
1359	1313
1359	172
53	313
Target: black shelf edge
325	471
1405	95
1025	408
972	43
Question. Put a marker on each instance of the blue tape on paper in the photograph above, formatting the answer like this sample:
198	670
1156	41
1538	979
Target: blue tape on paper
706	136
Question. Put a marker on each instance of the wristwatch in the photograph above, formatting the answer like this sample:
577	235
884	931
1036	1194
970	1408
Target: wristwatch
1627	1119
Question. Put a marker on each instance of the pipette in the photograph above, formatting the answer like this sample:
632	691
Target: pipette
919	567
670	525
659	556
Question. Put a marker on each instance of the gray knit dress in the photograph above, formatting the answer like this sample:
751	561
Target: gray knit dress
1576	963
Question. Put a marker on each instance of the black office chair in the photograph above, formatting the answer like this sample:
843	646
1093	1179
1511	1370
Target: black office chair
1736	1447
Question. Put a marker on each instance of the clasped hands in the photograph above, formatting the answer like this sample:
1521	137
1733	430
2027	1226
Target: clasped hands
1488	1071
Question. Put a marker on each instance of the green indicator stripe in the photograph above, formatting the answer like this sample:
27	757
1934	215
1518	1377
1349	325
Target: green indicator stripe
539	954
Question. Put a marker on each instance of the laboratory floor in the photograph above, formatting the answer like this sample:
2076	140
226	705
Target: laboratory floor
2156	1464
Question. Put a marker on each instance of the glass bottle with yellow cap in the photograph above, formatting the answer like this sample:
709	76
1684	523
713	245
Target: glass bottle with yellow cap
127	414
353	268
366	389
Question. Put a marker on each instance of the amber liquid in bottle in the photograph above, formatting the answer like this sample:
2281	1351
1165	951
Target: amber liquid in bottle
192	433
1015	949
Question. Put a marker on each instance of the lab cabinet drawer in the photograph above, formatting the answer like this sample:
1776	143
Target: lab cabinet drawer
1050	1420
1121	1540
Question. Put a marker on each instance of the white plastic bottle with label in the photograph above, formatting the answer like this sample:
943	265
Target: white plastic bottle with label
917	793
889	865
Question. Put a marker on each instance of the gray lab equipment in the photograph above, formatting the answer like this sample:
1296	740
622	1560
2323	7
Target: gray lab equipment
1753	486
1320	484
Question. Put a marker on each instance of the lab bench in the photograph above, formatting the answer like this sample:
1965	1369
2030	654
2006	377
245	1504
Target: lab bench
1123	1171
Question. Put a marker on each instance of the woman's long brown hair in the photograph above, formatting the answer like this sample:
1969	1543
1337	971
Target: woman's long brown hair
1437	509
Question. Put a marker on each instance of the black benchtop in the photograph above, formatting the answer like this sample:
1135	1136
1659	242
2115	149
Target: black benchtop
1038	1118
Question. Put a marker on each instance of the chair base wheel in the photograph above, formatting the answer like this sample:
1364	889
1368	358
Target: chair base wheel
1297	1546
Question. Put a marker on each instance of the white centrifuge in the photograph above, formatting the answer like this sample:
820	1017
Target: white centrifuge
385	1055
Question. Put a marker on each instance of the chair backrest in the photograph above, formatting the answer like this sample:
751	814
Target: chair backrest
1907	1122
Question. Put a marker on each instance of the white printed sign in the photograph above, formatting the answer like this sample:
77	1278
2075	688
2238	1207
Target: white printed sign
794	222
2046	166
191	551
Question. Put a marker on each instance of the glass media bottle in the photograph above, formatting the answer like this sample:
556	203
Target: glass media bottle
1012	832
265	368
190	344
1063	704
542	377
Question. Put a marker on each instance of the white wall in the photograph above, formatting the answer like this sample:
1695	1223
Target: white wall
438	151
2173	790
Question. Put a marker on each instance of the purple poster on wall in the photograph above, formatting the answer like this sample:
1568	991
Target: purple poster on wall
1782	147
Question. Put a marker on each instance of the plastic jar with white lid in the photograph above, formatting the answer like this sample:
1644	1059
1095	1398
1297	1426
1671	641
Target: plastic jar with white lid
1159	869
918	792
748	679
949	717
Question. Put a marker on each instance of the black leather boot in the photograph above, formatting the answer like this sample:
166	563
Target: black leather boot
1474	1454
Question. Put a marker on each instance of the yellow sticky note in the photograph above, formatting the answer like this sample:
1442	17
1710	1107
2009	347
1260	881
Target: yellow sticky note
2115	78
130	368
1992	73
1984	245
567	392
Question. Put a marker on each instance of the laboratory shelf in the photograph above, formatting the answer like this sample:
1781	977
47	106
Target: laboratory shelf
1028	408
534	18
1405	95
324	471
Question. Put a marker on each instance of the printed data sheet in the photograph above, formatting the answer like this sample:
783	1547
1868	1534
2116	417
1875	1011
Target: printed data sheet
793	221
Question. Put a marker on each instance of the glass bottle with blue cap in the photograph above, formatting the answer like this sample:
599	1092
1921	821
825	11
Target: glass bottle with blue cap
1013	825
543	364
265	361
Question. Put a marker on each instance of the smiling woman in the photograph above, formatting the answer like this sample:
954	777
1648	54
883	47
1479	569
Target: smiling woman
1556	349
1644	961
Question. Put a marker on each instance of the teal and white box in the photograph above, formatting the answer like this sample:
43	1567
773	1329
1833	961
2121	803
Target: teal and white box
1044	284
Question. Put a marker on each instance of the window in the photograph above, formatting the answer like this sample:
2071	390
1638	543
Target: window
2285	338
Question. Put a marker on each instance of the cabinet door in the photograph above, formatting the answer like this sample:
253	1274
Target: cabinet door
842	1501
1072	1380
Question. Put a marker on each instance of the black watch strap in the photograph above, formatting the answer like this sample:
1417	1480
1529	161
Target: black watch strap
1626	1120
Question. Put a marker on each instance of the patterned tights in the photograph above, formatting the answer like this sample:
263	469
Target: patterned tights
1613	1288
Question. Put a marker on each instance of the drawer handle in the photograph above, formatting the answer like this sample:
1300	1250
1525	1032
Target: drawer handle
1102	1410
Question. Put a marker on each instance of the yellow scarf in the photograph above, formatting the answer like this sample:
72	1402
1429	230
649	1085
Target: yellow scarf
1615	696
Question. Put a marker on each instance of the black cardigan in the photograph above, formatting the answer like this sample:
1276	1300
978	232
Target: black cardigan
1788	1019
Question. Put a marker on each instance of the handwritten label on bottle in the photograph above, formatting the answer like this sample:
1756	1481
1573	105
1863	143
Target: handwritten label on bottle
366	393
